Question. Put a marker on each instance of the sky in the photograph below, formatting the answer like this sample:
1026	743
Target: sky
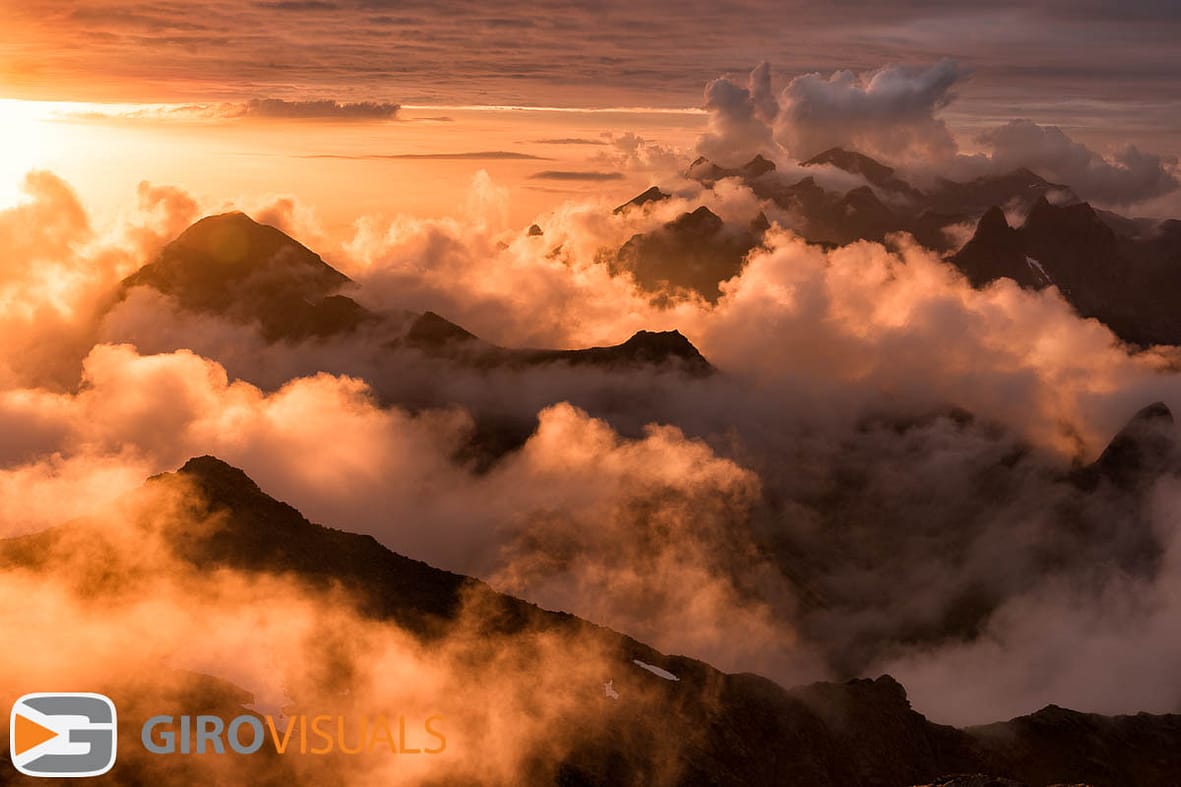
256	91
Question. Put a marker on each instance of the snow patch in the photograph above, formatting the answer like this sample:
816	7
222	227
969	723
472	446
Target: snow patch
663	673
1036	266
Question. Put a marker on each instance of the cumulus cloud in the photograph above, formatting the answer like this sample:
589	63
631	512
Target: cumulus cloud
630	152
889	112
1127	176
893	114
740	118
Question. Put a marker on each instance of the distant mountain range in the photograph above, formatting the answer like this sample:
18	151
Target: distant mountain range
707	726
231	266
1126	272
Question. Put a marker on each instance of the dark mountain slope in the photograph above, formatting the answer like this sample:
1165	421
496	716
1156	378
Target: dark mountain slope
235	267
1131	283
438	337
231	266
704	728
694	252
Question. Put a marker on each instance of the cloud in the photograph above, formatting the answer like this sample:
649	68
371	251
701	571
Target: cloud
323	109
569	141
630	152
803	513
479	155
557	174
234	641
888	112
740	118
299	5
1125	177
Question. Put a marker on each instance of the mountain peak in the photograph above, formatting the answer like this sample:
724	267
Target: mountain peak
656	347
1139	452
651	194
706	171
214	255
231	265
992	222
759	165
852	161
431	330
233	240
701	221
209	471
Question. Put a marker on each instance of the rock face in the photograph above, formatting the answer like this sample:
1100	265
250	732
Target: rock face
653	194
696	252
438	337
707	727
876	173
1124	272
232	266
1128	281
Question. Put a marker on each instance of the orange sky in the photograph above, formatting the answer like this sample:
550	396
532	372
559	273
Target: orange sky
187	75
421	163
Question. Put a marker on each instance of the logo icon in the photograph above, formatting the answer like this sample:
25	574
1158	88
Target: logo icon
56	735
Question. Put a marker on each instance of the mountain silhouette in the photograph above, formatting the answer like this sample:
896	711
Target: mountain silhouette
1122	271
695	252
438	337
710	727
233	266
1126	279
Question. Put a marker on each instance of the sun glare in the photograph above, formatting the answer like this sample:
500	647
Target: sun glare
27	142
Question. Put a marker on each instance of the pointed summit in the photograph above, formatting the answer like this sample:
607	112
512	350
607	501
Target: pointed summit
429	330
1139	453
219	252
757	166
652	194
851	161
231	265
707	172
992	224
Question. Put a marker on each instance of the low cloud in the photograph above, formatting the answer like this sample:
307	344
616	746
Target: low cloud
478	155
1121	178
558	174
569	141
324	109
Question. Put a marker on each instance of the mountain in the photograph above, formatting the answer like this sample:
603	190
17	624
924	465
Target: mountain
1122	271
438	337
695	252
1018	189
887	204
708	172
704	727
653	194
1094	524
876	173
1126	281
232	266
